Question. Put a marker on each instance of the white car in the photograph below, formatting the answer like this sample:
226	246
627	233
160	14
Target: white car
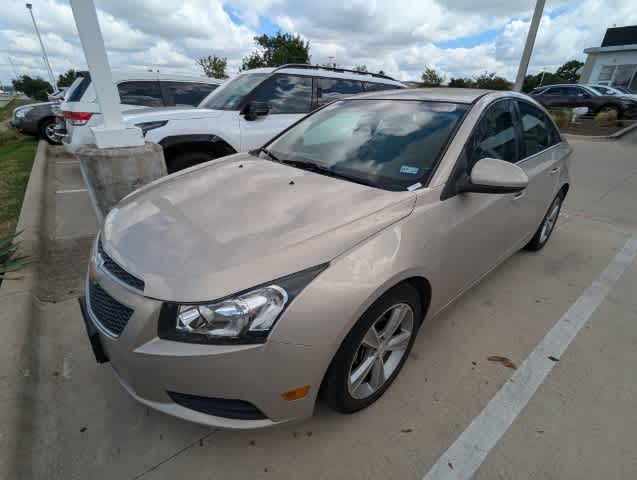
607	90
248	110
80	109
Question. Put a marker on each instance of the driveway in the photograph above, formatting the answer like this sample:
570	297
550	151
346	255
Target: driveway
79	423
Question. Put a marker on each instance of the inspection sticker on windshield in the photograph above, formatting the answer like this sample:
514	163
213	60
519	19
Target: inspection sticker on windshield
409	170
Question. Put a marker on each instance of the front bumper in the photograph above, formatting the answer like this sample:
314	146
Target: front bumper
149	367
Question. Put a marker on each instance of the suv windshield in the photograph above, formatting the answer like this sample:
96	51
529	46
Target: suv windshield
391	144
230	94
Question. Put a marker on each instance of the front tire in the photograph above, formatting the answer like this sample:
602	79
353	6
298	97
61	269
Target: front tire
47	131
547	226
374	351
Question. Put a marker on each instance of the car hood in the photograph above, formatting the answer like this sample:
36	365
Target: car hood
231	224
148	114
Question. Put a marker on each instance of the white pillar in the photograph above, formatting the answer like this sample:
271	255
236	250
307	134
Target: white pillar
112	133
528	47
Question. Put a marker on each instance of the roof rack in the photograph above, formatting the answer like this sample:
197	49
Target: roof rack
331	69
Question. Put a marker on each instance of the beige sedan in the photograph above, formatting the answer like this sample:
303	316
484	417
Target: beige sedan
235	292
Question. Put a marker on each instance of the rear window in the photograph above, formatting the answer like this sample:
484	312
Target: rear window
145	94
78	87
332	88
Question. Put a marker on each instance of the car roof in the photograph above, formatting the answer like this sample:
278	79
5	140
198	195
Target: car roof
318	71
439	94
121	75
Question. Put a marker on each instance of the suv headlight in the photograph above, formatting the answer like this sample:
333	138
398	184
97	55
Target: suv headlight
246	317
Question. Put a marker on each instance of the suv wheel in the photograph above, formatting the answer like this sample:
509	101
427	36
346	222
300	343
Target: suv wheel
47	131
373	353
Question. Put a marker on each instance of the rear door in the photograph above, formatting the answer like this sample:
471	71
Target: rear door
542	163
552	97
289	98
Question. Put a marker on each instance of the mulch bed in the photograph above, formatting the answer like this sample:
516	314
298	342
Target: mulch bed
586	126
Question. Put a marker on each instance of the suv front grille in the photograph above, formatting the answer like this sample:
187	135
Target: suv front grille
117	271
111	314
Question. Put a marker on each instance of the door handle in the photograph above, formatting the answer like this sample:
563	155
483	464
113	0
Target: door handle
555	170
518	195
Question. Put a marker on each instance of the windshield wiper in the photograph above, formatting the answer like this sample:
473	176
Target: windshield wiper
316	168
269	154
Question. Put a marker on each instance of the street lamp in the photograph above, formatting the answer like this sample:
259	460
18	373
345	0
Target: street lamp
44	55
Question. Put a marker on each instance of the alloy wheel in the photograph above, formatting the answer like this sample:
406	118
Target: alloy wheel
550	220
381	351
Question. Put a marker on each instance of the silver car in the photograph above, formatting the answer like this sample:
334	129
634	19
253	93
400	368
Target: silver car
235	292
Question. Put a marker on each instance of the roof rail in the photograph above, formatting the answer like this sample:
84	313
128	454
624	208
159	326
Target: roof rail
331	69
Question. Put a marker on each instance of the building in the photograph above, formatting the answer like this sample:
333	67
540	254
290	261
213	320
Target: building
615	62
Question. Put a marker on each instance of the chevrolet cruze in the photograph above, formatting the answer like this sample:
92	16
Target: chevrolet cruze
237	292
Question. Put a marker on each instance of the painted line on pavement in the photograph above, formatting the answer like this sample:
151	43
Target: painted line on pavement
76	190
463	458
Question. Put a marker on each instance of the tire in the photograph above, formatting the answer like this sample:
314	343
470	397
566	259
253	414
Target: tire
541	236
46	131
187	159
338	390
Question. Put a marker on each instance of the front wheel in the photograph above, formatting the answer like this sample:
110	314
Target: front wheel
545	229
47	131
373	353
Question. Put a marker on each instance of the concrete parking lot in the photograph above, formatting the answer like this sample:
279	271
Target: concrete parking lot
77	422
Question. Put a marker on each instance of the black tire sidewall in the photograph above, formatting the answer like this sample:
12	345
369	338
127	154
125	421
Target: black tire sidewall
536	244
335	390
42	130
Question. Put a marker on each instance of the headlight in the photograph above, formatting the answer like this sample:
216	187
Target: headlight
247	317
22	112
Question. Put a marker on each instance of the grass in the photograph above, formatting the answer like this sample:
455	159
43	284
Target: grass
5	112
16	160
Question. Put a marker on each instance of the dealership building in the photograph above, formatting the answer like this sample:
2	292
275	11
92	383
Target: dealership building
615	61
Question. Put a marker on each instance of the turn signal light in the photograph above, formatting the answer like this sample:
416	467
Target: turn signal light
296	394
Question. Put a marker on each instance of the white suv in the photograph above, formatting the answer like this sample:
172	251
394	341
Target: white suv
248	110
80	109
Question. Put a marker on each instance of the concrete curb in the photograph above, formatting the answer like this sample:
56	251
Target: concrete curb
19	319
615	136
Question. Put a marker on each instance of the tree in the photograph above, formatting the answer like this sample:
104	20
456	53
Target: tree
67	78
461	83
568	71
490	81
431	78
36	88
360	68
381	72
213	66
277	50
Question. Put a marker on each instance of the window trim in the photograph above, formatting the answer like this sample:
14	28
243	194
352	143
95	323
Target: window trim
521	132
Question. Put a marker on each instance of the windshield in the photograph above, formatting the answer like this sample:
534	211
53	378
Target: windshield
230	94
391	144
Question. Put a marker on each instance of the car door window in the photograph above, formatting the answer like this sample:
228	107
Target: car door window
286	94
553	91
183	93
147	94
494	136
331	88
374	87
538	131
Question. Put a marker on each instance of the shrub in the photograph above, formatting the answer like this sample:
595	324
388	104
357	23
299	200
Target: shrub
10	135
561	117
606	118
8	261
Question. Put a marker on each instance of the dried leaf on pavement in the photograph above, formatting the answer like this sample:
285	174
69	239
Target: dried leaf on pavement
502	360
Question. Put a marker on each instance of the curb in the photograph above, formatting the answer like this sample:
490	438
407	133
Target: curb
615	136
18	319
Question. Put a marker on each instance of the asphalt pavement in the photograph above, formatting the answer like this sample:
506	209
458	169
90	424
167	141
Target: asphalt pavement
576	422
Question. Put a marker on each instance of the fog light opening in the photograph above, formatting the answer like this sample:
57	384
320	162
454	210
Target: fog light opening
296	394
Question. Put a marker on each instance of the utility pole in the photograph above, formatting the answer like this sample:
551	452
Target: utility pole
528	47
44	55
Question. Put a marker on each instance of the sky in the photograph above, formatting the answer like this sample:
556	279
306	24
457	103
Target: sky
459	38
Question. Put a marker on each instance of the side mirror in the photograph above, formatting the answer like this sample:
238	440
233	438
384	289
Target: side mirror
253	110
490	175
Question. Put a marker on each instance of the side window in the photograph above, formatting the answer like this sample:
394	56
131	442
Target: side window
146	94
286	94
494	136
374	87
332	88
185	93
538	131
552	91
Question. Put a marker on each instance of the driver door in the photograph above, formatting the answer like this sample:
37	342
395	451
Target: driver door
289	98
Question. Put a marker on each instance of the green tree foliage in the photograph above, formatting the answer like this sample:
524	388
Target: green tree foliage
361	68
277	50
567	73
431	78
67	78
461	83
213	66
491	81
36	88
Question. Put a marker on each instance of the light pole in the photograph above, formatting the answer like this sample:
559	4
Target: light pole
528	47
44	55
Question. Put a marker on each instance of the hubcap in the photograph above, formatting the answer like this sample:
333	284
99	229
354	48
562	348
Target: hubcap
381	351
549	221
49	130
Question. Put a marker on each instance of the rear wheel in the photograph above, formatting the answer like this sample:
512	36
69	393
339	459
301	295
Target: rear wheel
373	353
184	160
545	229
47	131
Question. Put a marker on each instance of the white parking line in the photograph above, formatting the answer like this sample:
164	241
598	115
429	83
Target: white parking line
76	190
466	454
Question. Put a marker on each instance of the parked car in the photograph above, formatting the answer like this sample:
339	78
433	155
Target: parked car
233	292
37	119
249	110
578	96
80	110
612	91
